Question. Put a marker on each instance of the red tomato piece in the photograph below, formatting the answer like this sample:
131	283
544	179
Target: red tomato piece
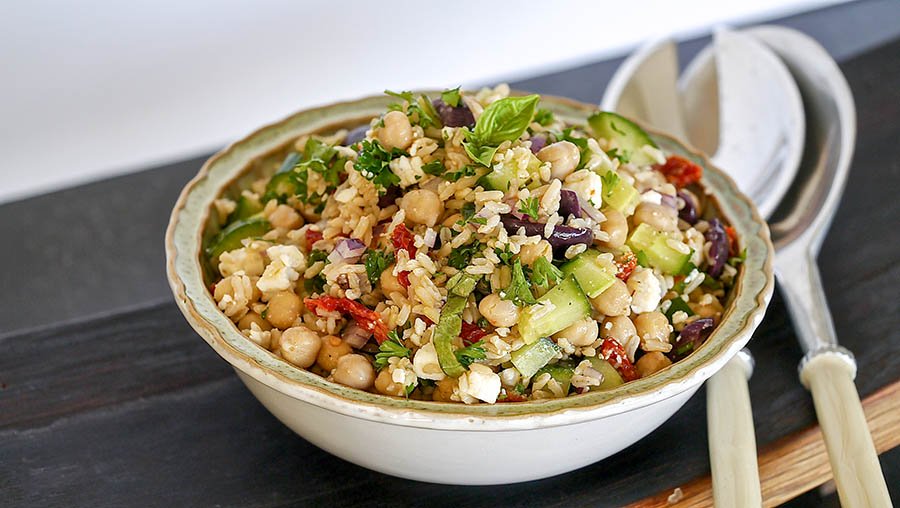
680	171
312	236
402	238
614	353
364	316
403	279
471	333
732	241
626	264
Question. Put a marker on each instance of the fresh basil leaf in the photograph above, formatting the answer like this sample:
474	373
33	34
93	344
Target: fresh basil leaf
479	153
505	119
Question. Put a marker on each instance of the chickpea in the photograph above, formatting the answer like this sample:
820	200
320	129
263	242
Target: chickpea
355	371
422	206
389	282
708	308
660	217
614	301
332	350
384	384
563	157
397	131
619	328
284	308
499	312
616	227
651	363
252	317
652	326
580	333
285	217
528	254
443	389
300	346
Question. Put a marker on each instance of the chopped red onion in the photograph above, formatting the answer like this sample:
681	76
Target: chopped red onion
667	200
537	143
590	210
355	335
347	250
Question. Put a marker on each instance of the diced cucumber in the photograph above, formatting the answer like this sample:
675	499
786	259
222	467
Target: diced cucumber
289	162
282	186
450	323
624	134
561	373
657	250
593	273
621	195
557	309
611	377
499	178
230	238
531	357
245	209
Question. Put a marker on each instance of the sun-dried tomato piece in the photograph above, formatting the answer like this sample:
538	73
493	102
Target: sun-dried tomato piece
402	238
471	333
511	396
403	279
364	316
680	171
312	236
625	265
732	241
614	353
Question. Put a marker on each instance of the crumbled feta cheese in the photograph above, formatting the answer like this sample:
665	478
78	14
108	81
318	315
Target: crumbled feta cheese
646	291
479	382
651	196
402	373
586	184
281	273
426	365
261	337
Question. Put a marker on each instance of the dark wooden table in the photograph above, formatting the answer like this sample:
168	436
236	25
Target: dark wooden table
108	398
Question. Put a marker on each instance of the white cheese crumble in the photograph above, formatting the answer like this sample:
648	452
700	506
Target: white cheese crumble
646	291
479	382
586	184
282	271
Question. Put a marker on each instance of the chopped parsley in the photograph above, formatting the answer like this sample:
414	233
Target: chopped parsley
678	305
453	176
505	254
435	168
581	143
373	163
451	97
418	109
469	354
530	207
376	262
315	284
459	258
544	117
623	155
316	256
389	349
519	290
543	272
468	215
292	178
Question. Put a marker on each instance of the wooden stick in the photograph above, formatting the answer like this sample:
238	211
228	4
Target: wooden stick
797	463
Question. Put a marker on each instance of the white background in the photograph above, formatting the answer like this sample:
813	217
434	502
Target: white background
93	88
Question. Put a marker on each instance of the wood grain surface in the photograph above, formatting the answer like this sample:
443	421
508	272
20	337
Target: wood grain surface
131	408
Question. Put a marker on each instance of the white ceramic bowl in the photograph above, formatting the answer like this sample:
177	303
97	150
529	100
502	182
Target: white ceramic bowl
446	442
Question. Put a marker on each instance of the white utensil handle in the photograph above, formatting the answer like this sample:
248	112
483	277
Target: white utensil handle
854	461
732	439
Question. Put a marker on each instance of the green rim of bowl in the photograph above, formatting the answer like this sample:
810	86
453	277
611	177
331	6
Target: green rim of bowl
751	292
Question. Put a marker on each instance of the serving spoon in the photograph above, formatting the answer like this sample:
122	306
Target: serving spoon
723	105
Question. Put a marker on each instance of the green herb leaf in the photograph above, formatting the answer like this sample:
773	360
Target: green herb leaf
316	256
581	143
403	96
456	175
468	215
376	262
623	155
373	162
460	258
530	207
467	355
519	290
505	254
435	167
543	272
389	349
451	97
688	267
739	258
610	180
483	154
544	117
505	119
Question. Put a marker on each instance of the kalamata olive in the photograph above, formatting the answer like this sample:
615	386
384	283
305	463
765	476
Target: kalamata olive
718	249
537	143
458	116
390	195
562	237
356	135
568	203
689	212
692	336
